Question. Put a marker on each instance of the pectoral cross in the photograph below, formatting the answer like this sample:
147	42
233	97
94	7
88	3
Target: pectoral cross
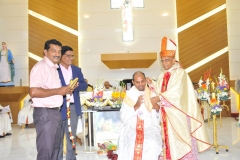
127	15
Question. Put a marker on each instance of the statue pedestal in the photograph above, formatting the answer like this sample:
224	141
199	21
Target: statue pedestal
13	96
8	84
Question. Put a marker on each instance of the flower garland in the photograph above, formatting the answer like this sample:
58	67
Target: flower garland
72	84
69	122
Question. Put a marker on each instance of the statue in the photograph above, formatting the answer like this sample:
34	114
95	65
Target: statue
7	71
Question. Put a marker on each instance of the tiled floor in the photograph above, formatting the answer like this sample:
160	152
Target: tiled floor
21	144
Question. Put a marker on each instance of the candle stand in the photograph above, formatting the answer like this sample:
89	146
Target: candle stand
215	141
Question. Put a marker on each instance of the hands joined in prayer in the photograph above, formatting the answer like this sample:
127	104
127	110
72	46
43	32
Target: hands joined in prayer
139	102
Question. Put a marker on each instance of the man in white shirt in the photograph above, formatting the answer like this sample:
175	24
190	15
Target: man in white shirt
140	136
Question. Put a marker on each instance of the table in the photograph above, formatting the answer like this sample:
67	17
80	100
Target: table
89	112
102	125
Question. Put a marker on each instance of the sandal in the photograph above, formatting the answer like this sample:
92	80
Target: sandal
78	140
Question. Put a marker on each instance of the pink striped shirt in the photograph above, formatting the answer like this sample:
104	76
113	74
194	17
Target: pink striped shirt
67	75
44	75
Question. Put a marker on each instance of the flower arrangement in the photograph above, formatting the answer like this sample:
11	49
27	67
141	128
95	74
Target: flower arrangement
96	99
223	87
107	148
216	108
97	95
203	90
118	95
98	89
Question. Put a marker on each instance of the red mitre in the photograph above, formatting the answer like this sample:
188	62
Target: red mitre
168	48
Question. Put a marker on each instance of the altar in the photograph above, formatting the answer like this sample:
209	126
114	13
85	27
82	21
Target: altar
103	123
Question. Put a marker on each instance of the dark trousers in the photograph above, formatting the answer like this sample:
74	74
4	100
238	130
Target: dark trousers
70	155
48	127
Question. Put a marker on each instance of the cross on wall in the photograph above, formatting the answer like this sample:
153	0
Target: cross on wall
127	15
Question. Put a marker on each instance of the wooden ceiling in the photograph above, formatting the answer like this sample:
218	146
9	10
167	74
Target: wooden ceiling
215	65
195	43
203	39
190	10
64	12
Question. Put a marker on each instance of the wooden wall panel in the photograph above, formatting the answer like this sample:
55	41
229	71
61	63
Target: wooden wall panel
40	32
215	66
64	12
203	39
190	10
13	96
31	63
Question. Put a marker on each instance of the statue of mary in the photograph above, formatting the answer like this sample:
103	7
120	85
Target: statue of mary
7	71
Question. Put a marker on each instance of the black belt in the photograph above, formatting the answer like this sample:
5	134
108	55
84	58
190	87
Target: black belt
71	103
55	108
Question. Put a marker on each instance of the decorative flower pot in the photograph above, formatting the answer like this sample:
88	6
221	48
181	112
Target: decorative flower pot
224	98
203	99
216	113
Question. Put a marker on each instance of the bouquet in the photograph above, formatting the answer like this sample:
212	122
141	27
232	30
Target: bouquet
203	90
216	108
118	95
223	87
97	100
107	148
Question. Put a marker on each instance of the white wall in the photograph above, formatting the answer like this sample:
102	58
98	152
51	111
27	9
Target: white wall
233	25
14	31
102	33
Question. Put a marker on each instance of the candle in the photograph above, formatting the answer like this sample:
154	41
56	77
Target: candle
213	96
212	86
